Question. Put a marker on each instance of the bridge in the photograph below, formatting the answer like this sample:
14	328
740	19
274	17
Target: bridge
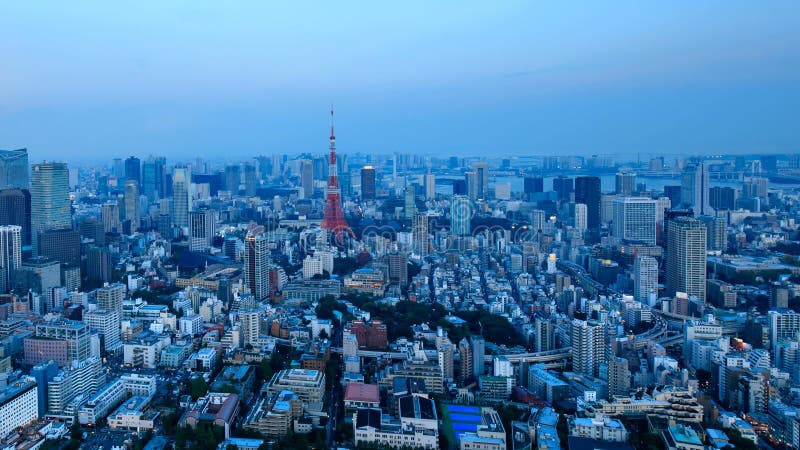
550	356
374	353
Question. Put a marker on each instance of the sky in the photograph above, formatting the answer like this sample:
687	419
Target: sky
92	80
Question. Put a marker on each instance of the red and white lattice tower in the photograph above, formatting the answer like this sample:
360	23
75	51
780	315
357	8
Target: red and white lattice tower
333	220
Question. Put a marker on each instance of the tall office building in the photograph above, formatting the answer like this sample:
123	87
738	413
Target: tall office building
43	373
645	278
256	265
625	183
62	245
481	170
107	325
368	183
14	169
478	345
50	205
722	197
587	191
686	257
202	228
307	178
154	178
181	196
430	185
580	217
15	209
132	204
635	219
563	187
233	178
110	216
10	254
250	180
19	406
588	347
133	169
533	185
410	201
695	190
460	216
419	229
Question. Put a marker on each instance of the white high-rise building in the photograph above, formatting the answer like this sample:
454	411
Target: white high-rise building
686	257
588	347
10	254
131	201
108	325
635	219
695	189
645	278
460	215
256	265
250	325
430	185
420	239
580	216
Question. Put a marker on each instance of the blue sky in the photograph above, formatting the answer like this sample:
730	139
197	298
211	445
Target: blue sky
86	80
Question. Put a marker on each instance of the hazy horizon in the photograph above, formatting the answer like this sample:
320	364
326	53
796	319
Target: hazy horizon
93	81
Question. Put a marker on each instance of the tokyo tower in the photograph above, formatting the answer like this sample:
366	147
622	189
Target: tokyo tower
333	220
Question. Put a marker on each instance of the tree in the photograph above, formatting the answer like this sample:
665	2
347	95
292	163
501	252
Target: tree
198	387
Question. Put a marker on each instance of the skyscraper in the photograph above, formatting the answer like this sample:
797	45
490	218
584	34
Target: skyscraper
410	201
232	178
625	183
694	189
256	262
10	254
419	230
533	185
465	351
15	209
50	205
307	178
154	178
645	278
635	219
201	229
580	216
250	180
368	183
587	191
14	169
430	185
686	257
110	216
460	216
132	204
181	196
481	169
478	355
133	169
563	186
588	347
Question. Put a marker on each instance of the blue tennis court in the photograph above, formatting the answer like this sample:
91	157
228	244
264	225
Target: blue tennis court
463	409
465	418
463	427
